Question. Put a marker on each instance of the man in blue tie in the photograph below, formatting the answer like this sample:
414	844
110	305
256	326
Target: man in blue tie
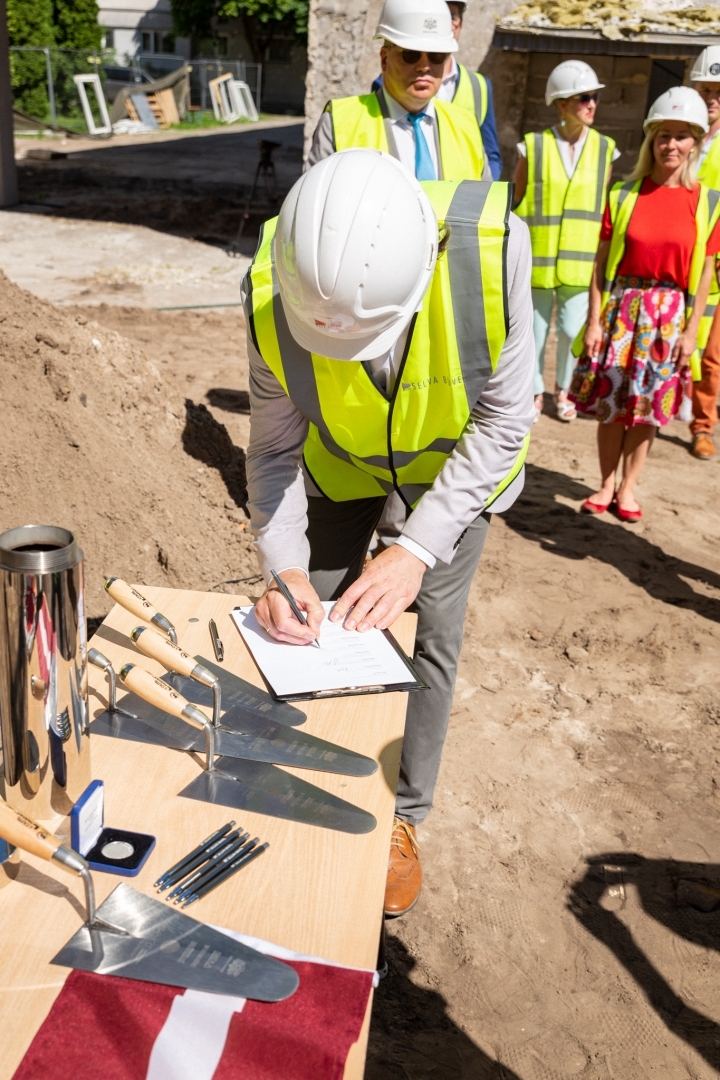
435	140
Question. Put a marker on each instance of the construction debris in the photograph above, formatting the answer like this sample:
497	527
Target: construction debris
615	19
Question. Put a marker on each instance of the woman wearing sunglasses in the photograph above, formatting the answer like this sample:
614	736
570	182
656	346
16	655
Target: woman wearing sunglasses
434	140
651	278
561	181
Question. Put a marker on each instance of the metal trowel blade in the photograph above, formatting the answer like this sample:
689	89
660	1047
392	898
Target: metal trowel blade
165	946
149	725
237	691
264	789
253	737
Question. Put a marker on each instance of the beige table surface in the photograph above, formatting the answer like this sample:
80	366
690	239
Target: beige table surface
315	891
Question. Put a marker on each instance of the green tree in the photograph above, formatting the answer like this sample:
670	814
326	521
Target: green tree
30	22
263	20
76	24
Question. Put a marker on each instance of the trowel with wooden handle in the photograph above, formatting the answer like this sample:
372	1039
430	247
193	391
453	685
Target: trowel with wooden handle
134	602
238	732
136	937
256	786
237	691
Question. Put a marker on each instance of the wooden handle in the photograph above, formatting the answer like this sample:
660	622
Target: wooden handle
161	649
25	833
130	599
161	695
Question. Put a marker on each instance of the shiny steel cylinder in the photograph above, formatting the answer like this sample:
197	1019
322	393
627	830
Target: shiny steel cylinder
43	670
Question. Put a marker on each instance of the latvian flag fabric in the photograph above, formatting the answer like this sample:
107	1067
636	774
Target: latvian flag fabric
106	1028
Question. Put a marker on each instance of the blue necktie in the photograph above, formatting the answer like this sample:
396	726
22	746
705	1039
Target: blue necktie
424	168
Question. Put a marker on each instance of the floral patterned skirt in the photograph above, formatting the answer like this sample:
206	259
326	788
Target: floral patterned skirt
633	379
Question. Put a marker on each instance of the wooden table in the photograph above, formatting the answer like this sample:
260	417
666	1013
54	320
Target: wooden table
314	891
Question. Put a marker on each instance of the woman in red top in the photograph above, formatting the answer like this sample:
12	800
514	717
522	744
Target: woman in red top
637	350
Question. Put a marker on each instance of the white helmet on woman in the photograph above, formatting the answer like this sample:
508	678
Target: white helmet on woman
679	103
707	65
570	78
355	249
417	24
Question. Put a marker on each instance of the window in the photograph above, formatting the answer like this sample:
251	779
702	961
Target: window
108	39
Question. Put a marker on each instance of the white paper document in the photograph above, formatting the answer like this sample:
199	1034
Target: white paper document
345	658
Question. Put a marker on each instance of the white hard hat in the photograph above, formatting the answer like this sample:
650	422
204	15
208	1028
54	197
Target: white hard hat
417	24
570	78
679	103
355	249
707	65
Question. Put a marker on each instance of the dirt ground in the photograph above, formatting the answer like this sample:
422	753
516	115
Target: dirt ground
570	919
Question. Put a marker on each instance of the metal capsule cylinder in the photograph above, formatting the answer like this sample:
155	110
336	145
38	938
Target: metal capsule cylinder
43	670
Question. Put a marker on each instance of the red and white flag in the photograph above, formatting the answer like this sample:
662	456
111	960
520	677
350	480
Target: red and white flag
106	1028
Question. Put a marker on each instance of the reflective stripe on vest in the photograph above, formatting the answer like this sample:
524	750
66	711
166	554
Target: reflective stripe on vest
623	199
709	174
361	442
471	93
360	122
564	215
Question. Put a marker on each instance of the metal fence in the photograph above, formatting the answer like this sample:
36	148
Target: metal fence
160	64
205	70
43	86
42	81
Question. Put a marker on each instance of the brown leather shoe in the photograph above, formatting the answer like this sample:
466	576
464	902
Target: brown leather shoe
404	879
703	446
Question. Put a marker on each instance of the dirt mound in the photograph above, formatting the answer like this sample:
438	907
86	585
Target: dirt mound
95	439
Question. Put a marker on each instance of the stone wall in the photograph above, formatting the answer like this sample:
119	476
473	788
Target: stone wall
343	58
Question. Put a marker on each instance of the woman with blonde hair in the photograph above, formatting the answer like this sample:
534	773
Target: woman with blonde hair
650	283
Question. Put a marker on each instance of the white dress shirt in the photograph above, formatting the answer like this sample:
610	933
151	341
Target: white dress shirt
569	152
448	86
404	135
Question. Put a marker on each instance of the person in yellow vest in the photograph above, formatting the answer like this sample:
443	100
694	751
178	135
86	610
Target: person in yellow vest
470	91
648	293
435	140
705	77
390	346
561	182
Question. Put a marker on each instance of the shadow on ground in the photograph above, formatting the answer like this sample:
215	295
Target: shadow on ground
195	187
413	1038
684	897
207	440
562	530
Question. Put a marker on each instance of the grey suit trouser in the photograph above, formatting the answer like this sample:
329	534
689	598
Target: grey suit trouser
339	534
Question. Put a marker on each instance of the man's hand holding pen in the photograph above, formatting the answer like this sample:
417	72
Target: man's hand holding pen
382	592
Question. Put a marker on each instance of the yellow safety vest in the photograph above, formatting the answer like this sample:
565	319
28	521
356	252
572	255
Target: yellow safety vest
360	121
363	443
471	93
564	215
623	199
709	174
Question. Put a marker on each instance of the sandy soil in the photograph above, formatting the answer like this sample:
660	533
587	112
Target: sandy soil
570	919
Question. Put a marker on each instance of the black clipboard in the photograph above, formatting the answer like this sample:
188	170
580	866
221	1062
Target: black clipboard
414	683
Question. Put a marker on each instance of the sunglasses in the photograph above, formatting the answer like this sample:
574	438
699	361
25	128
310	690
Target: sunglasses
585	99
410	56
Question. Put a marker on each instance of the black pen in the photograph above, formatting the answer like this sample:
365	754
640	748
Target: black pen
196	851
193	885
210	868
299	615
232	869
209	853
